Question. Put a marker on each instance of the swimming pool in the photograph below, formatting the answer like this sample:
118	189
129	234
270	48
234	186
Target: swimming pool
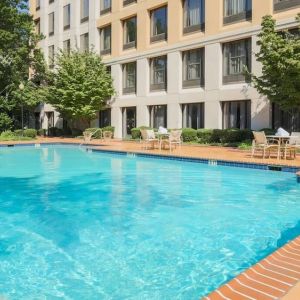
91	225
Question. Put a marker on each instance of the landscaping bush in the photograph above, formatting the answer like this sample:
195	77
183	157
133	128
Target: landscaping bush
204	135
269	131
136	132
189	135
97	135
236	136
217	136
41	132
8	134
55	132
31	133
109	128
18	132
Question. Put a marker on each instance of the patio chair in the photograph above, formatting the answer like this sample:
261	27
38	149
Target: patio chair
261	142
292	145
148	137
174	139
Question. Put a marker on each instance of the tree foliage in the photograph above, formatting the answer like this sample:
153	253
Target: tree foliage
18	54
79	86
280	58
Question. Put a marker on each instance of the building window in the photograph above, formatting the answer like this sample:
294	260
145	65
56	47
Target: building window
84	42
37	4
105	6
236	56
159	21
51	56
51	1
285	4
290	121
84	12
158	70
158	116
237	10
108	69
105	37
104	117
129	78
67	46
236	114
129	120
67	16
193	68
129	26
193	115
51	23
37	26
193	15
127	2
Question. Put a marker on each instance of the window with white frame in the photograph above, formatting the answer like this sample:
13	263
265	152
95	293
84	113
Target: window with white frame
236	114
84	11
105	40
159	21
67	46
285	4
51	23
236	58
237	10
158	116
105	6
129	78
193	68
84	42
158	70
51	55
193	15
67	16
193	115
130	29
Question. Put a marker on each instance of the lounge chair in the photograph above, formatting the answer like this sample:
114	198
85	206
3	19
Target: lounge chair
261	142
148	137
174	139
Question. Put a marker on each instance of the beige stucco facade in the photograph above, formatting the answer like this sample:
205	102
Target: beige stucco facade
214	91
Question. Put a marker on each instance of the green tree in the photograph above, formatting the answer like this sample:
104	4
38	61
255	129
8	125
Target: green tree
280	58
18	55
79	86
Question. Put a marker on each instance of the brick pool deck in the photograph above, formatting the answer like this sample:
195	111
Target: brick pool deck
275	277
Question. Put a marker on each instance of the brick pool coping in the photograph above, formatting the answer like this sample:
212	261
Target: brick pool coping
275	277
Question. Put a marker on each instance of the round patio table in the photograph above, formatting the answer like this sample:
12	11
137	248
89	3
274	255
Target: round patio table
162	136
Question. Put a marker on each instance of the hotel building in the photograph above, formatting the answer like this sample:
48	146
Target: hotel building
175	63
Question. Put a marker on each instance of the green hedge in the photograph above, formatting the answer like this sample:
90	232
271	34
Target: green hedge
41	132
18	132
31	133
136	132
189	135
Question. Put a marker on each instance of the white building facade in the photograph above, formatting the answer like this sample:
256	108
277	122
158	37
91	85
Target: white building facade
174	63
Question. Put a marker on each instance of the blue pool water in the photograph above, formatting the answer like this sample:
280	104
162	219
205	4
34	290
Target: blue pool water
80	225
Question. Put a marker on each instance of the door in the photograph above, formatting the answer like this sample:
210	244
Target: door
129	120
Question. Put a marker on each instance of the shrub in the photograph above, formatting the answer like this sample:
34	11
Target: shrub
18	132
31	133
97	135
204	135
109	128
269	131
7	134
41	132
135	133
217	135
189	135
5	122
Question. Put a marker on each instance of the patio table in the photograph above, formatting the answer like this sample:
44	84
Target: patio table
161	136
282	140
